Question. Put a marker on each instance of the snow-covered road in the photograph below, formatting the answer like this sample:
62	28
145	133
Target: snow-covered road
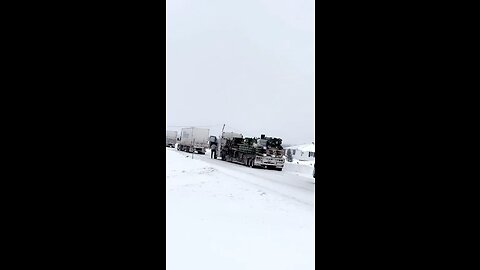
222	215
284	183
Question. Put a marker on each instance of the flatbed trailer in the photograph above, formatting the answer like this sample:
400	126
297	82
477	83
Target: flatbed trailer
265	152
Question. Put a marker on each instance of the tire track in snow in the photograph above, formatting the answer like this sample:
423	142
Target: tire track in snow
265	179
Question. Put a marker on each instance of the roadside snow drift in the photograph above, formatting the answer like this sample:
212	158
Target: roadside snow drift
218	218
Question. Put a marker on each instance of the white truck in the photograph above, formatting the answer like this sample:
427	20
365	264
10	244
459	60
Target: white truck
193	139
171	138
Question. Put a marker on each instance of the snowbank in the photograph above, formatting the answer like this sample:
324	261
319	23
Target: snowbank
299	167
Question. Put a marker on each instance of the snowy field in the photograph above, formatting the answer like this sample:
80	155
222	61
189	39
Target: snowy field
227	216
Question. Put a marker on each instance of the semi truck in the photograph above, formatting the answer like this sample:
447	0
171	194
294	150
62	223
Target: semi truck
264	152
193	140
171	138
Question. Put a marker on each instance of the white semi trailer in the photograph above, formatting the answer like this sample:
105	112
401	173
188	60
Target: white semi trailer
193	139
171	138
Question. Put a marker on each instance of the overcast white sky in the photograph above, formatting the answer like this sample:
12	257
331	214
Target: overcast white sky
248	64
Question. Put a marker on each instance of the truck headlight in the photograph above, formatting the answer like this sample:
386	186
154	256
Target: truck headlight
264	155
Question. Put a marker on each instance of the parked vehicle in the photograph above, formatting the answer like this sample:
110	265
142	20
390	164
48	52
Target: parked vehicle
193	139
171	138
265	152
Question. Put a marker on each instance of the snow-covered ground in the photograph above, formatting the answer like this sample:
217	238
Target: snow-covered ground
222	215
299	167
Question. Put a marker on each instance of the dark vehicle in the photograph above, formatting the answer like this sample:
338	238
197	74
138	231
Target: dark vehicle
313	170
265	152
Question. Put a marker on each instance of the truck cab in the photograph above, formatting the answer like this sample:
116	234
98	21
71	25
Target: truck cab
270	153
